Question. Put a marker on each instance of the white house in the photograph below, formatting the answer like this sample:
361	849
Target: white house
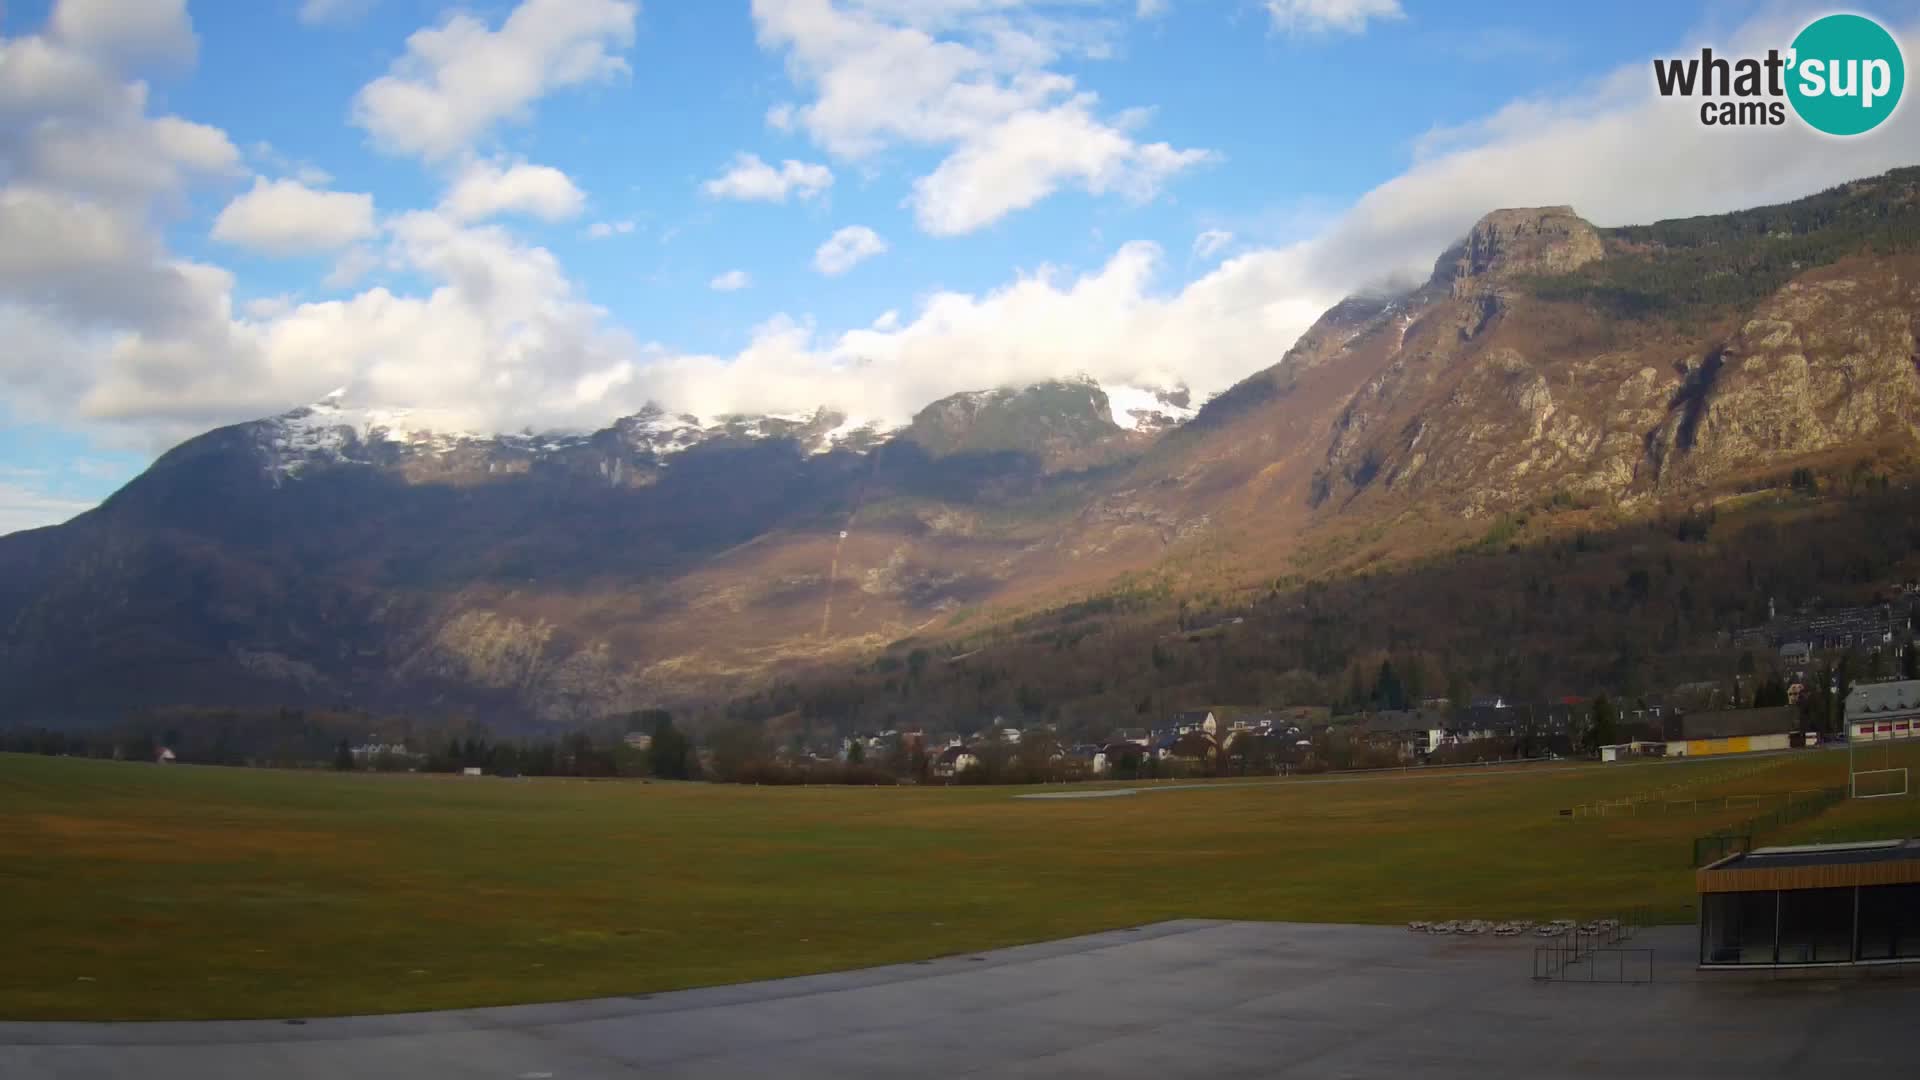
954	760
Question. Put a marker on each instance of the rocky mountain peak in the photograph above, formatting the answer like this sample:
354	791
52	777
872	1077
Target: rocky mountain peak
1044	416
1508	243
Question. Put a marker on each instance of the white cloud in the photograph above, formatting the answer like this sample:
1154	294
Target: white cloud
352	265
321	12
846	249
600	230
1151	9
272	160
66	121
23	507
731	281
268	307
1211	242
1335	16
126	31
460	78
500	338
1032	154
974	77
285	217
484	189
751	179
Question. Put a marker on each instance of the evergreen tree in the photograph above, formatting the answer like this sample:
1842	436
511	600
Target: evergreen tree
1388	693
1600	724
343	757
1771	694
1910	660
1843	680
670	751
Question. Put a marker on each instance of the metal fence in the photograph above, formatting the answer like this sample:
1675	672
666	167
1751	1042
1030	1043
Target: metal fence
1738	838
1605	965
1591	952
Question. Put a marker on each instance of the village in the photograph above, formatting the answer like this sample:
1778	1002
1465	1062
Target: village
1811	676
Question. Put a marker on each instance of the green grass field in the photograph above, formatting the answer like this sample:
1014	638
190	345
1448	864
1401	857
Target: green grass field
135	891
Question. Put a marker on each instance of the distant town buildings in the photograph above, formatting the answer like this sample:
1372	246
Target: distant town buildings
1732	731
1797	637
1884	710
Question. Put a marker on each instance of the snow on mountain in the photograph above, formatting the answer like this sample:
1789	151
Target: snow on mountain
334	430
855	435
1137	408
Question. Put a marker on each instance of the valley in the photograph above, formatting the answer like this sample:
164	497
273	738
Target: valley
1550	381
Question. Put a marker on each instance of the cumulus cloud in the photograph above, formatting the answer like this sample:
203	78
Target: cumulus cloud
457	80
485	189
285	217
268	307
1032	154
751	179
70	123
975	79
126	31
1335	16
600	230
731	281
1210	243
846	249
500	338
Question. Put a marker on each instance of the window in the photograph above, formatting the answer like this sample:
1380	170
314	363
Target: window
1816	926
1738	928
1889	922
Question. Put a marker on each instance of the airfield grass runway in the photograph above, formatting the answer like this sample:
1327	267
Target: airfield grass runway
131	891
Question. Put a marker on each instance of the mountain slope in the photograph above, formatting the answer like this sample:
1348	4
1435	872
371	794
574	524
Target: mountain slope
336	556
344	557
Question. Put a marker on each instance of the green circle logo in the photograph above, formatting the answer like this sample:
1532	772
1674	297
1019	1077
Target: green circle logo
1847	74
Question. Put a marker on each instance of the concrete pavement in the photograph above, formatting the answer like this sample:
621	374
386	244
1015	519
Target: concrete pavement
1175	999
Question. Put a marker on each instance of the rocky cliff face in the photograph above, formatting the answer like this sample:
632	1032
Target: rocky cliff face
1828	362
1047	420
1494	391
1507	244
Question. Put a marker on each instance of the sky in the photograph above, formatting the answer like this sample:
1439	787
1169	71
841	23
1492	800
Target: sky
546	213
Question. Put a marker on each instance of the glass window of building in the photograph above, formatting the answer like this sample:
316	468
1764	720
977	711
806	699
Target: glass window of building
1739	928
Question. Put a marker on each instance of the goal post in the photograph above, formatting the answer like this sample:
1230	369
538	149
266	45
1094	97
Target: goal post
1880	755
1859	785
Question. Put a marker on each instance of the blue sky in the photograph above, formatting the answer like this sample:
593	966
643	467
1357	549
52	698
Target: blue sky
546	212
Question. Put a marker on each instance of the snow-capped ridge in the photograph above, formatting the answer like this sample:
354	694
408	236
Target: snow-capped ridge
332	430
1141	408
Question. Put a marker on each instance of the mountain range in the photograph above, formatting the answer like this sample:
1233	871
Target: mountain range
343	556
